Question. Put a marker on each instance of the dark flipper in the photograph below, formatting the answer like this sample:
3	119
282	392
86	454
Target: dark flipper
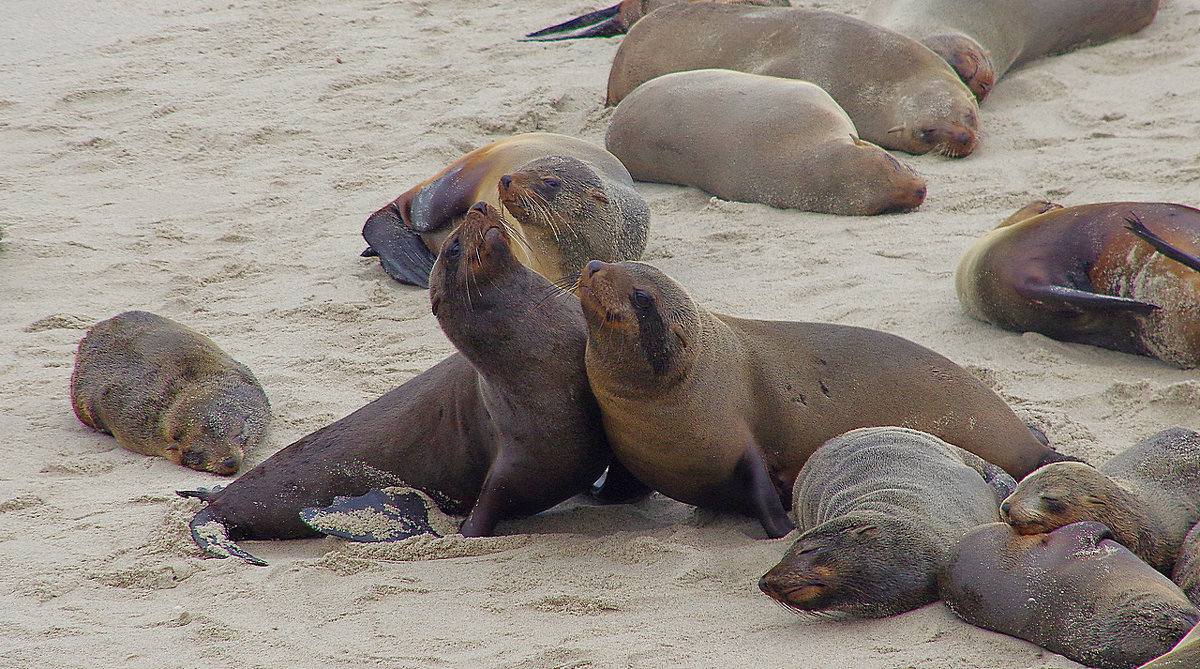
1083	300
999	481
210	534
577	22
373	517
203	494
606	29
1161	245
402	253
618	486
751	478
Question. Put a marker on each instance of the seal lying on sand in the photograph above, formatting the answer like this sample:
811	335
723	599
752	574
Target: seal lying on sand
1073	591
1186	573
164	389
982	39
616	20
880	510
584	206
1185	654
1149	496
722	412
1120	275
505	427
753	138
899	94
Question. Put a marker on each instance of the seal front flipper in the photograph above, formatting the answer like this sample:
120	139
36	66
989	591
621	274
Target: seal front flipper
211	535
1082	299
596	17
402	253
618	486
751	478
373	517
1161	245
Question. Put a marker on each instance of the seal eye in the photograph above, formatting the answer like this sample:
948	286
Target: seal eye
927	134
641	300
453	250
551	183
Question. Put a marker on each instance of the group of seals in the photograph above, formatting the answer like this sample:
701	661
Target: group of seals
801	151
616	20
505	427
899	94
880	510
1120	275
161	388
568	201
722	412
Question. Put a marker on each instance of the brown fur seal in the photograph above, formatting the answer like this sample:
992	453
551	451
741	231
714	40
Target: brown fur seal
1120	275
164	389
880	509
899	94
505	427
596	213
982	39
1186	573
1184	655
616	20
1073	591
800	151
1149	496
722	412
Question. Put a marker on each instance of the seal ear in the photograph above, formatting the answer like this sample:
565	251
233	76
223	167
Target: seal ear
598	195
678	330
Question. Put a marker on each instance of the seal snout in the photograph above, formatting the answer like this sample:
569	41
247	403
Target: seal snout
506	180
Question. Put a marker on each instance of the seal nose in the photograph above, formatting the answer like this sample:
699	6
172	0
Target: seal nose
593	266
506	180
920	194
1004	507
480	207
230	464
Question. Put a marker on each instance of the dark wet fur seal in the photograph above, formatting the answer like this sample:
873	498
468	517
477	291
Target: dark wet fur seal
506	427
1073	591
1148	496
161	388
616	20
722	412
880	510
1119	275
1184	655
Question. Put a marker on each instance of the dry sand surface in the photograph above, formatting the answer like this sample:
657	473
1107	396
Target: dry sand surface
214	162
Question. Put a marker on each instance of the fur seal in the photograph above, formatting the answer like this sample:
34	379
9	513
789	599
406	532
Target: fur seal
801	150
161	388
595	212
1119	275
1186	573
982	39
616	20
505	427
1149	496
899	94
722	412
1073	591
1184	655
880	509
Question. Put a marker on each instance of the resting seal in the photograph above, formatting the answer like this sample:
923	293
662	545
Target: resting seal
1119	275
616	20
505	427
722	412
1185	654
899	94
596	213
754	138
1149	496
880	509
1186	573
982	39
164	389
1073	591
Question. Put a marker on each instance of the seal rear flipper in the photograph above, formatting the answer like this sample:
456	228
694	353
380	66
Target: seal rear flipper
588	19
373	517
402	253
1161	245
1083	300
211	535
203	494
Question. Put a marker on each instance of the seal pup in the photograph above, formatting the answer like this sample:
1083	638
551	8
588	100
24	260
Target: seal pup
1148	495
161	388
616	20
880	509
800	151
983	39
505	427
1074	591
1184	655
899	94
722	412
1119	275
596	212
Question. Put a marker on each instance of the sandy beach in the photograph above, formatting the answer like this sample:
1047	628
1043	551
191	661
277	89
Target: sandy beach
214	163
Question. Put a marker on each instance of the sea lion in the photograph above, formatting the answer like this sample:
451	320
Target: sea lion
722	412
161	388
505	427
1119	275
1073	591
982	39
800	151
880	509
1184	655
616	20
1149	496
596	213
1186	573
899	94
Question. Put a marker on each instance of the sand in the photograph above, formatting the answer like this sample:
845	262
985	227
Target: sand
214	163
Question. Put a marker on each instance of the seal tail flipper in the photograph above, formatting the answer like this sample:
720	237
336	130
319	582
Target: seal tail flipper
1084	300
1161	245
588	19
202	494
211	535
402	253
373	517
